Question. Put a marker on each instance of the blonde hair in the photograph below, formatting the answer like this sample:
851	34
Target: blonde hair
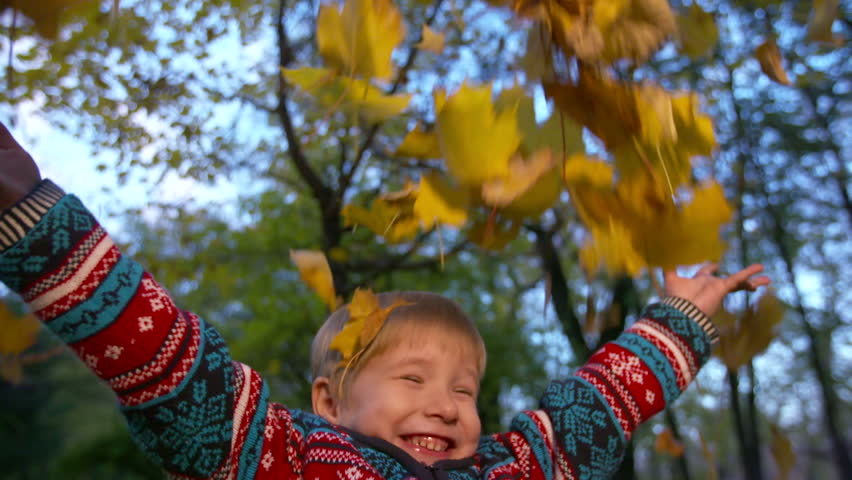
424	311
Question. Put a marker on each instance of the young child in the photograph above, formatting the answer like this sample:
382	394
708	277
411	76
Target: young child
406	408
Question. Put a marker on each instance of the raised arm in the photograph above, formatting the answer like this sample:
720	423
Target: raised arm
586	420
188	406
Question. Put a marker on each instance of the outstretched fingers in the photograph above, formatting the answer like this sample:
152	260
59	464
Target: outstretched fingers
743	280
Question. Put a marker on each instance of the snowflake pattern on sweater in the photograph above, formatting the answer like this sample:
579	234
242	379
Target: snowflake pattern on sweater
199	414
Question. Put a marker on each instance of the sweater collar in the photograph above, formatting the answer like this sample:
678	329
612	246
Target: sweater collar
438	470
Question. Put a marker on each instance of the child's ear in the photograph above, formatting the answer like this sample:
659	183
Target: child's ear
325	403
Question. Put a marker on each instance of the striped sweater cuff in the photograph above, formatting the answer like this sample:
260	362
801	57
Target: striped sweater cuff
695	314
17	220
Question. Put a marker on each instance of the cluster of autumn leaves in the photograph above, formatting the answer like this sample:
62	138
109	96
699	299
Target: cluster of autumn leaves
493	166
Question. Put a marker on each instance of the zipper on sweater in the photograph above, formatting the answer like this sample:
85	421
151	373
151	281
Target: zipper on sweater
437	473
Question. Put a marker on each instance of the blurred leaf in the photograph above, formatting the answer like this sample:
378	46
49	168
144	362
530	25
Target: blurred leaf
315	272
697	32
667	444
17	332
741	341
476	142
439	202
782	452
819	25
48	14
431	41
769	57
360	39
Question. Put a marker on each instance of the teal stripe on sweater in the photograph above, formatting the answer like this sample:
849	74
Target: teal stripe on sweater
253	446
656	361
103	307
524	424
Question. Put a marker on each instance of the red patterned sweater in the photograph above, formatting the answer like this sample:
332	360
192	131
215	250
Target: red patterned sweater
200	414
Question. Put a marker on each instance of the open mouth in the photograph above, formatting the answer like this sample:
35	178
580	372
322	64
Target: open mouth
430	444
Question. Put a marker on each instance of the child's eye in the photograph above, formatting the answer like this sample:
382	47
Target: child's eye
412	378
465	391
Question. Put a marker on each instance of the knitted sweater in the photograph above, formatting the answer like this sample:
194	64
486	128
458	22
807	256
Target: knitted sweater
200	414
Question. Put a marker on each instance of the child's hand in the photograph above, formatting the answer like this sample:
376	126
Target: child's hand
18	172
706	290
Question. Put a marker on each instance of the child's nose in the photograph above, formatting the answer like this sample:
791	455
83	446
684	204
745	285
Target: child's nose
443	406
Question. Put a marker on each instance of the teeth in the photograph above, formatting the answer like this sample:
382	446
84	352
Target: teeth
429	443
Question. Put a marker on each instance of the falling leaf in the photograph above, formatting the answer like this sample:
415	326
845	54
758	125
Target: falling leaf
476	142
712	473
493	234
47	15
611	248
19	332
638	31
359	40
395	221
686	235
782	452
769	56
537	62
366	319
542	195
819	26
315	272
523	174
666	443
741	341
559	132
419	143
431	41
349	94
440	202
697	32
605	106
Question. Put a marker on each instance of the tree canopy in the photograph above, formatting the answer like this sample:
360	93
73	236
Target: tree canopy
536	161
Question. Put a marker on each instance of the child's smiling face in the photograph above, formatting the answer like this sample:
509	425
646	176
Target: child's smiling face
419	395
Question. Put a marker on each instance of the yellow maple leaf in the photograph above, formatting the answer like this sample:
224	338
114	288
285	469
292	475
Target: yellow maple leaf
419	143
366	319
611	247
439	202
392	219
360	39
697	32
315	272
431	41
475	141
590	183
686	235
17	332
542	195
769	56
673	132
523	174
334	91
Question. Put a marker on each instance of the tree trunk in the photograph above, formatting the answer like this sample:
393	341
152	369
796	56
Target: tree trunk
831	406
749	458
